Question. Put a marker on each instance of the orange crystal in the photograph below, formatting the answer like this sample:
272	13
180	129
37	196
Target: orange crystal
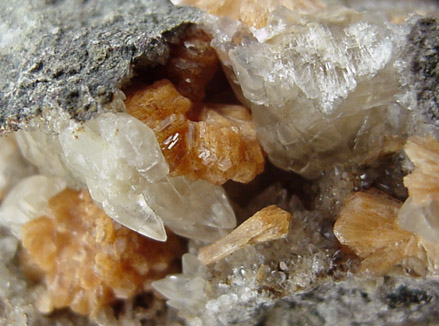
423	182
367	225
192	64
270	223
221	145
253	13
87	260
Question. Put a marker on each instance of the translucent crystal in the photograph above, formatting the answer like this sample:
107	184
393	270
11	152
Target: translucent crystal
420	212
253	13
118	158
12	166
28	200
220	145
321	86
270	223
368	226
186	291
43	150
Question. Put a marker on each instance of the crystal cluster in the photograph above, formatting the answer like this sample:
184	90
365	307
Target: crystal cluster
221	145
251	13
324	86
149	120
87	260
368	226
420	214
118	158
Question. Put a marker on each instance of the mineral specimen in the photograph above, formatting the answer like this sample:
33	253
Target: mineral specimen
323	86
12	165
219	146
149	113
118	158
368	226
252	13
270	223
87	260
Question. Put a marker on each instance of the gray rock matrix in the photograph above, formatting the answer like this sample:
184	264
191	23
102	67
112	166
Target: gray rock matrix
74	55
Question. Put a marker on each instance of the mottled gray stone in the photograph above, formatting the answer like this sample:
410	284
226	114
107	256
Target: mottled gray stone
397	301
424	46
74	55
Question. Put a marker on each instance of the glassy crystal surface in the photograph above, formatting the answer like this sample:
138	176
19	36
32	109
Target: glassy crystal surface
322	86
270	223
12	165
219	143
367	225
28	200
118	158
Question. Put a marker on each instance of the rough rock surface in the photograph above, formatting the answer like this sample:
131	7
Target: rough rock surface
72	56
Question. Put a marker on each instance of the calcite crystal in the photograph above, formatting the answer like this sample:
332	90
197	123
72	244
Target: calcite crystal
118	158
150	116
13	167
323	86
88	261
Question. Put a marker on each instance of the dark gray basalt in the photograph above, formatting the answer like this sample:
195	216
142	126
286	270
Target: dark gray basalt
74	55
424	40
398	301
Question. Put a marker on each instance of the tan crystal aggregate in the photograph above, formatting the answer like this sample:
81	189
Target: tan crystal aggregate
423	182
368	226
86	260
253	13
221	145
270	223
200	140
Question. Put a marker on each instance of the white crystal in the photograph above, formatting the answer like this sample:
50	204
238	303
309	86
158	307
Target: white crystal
184	291
118	158
421	219
321	87
43	150
12	165
28	200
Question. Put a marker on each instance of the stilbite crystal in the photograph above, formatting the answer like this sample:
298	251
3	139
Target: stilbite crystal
253	13
87	261
368	226
420	212
220	145
270	223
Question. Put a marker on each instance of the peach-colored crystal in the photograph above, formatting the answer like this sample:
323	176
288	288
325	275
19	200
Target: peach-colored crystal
253	13
270	223
219	146
423	182
87	260
367	225
192	64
